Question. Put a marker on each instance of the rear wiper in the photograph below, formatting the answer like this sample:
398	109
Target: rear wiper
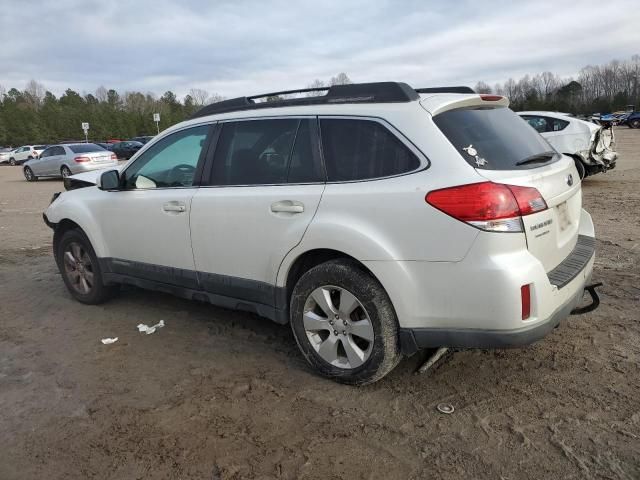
538	157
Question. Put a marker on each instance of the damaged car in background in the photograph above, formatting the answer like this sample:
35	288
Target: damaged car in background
591	146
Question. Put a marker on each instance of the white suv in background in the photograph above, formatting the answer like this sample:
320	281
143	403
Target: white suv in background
376	219
24	153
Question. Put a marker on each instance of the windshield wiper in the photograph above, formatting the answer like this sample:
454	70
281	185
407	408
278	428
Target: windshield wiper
537	158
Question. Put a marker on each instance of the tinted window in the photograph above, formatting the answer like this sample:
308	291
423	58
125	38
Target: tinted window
494	138
48	152
261	152
171	162
59	151
362	149
85	148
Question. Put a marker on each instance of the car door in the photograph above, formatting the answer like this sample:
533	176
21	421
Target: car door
145	224
37	164
264	188
21	154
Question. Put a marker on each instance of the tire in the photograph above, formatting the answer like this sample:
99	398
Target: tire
29	157
28	174
65	171
12	162
635	124
81	270
342	281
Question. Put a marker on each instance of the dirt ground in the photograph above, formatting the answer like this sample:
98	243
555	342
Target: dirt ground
226	395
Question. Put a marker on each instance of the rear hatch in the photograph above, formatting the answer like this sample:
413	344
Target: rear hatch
504	149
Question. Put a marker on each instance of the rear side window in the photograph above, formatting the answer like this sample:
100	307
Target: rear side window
546	124
363	149
58	151
86	148
266	152
494	139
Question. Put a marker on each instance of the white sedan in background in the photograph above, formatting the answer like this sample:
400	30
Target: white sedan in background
591	146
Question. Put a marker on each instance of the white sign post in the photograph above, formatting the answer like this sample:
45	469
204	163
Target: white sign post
156	118
85	127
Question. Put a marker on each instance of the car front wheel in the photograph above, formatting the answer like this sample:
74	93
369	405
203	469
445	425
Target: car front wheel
12	162
635	124
344	323
80	268
65	172
28	174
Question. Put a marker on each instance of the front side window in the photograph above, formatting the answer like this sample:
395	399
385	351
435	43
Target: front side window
266	152
47	153
363	149
171	162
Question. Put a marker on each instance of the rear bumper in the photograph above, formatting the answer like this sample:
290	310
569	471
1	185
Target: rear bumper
87	167
414	339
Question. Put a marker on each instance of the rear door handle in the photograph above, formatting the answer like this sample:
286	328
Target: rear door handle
287	206
174	207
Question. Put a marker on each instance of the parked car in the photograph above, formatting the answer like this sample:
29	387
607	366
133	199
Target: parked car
592	146
632	120
65	160
106	146
144	139
376	219
24	153
5	154
126	150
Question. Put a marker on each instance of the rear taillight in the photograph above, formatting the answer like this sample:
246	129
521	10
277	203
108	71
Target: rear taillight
525	295
494	207
114	156
81	159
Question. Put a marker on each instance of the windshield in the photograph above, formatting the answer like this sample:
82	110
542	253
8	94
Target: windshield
86	148
495	139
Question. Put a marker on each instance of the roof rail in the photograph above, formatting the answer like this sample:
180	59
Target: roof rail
460	89
378	92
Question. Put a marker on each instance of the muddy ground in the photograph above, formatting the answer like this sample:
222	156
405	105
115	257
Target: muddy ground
224	395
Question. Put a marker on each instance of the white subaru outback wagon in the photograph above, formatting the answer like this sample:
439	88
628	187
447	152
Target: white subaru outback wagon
376	219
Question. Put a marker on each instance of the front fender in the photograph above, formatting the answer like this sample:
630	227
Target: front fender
79	213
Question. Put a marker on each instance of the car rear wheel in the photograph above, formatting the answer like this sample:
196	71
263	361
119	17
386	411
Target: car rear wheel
28	174
12	162
80	268
635	124
65	172
344	323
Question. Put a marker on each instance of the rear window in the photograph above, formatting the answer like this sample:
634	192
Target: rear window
495	139
363	149
86	148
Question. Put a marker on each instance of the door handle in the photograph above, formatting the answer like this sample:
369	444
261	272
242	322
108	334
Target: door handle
287	206
174	207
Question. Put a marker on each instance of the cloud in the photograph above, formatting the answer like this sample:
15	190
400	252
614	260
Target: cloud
245	47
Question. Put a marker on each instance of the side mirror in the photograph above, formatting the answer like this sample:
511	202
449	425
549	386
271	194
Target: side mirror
109	180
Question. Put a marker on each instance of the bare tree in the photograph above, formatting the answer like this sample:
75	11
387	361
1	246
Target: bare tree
482	87
340	79
317	83
101	94
35	92
215	98
199	96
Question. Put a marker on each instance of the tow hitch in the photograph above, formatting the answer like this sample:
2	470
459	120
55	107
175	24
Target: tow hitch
595	300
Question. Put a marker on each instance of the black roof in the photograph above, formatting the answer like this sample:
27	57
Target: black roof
378	92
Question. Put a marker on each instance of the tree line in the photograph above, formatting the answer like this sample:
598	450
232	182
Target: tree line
35	115
597	88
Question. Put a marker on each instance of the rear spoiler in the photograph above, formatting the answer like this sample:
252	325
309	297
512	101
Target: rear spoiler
441	103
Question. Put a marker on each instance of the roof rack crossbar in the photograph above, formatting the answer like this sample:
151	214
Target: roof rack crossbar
289	92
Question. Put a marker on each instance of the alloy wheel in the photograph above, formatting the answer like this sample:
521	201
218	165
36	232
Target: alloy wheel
28	174
78	268
65	172
338	327
12	162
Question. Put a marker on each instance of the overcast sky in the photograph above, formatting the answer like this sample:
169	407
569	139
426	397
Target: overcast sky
245	47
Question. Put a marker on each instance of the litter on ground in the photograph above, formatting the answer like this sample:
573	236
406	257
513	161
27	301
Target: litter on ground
142	328
108	341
